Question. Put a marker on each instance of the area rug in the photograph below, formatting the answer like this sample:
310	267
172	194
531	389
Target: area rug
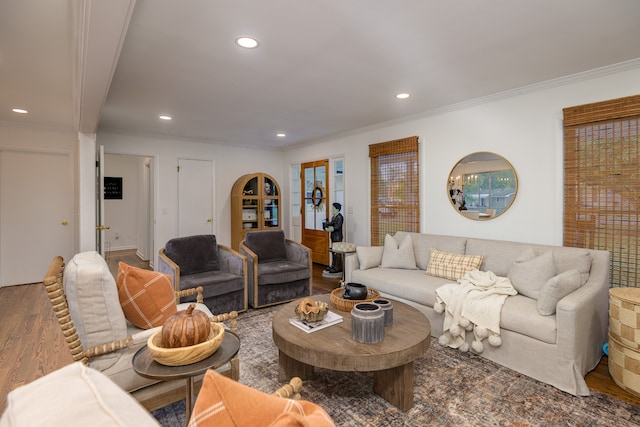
451	388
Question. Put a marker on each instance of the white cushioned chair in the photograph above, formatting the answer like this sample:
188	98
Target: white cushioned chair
85	301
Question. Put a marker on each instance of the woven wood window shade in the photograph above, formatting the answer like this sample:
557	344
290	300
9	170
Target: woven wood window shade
395	199
602	183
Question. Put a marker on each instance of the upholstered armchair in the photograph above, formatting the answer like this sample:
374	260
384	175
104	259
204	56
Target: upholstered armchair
87	305
279	269
199	260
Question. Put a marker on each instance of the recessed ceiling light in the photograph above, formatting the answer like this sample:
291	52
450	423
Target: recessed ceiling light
247	42
163	117
403	96
19	110
281	135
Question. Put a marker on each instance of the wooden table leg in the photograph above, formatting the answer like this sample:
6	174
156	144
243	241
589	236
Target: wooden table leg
395	385
189	399
289	368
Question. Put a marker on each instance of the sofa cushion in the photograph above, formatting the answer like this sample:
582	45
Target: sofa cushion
213	283
225	402
569	258
269	245
412	285
452	266
529	275
520	314
396	255
92	296
369	256
422	244
147	297
193	254
277	272
498	255
74	395
557	288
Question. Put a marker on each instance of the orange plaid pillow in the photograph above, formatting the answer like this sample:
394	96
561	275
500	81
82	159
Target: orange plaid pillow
225	402
146	297
452	266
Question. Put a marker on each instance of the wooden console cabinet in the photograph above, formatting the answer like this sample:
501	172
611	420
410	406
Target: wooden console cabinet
255	205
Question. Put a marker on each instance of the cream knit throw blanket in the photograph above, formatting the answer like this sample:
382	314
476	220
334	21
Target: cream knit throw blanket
473	304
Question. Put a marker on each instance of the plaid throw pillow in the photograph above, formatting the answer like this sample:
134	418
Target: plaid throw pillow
452	266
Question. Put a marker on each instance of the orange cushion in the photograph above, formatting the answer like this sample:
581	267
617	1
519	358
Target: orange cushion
225	402
147	297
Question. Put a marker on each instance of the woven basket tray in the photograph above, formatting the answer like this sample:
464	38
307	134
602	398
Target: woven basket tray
342	304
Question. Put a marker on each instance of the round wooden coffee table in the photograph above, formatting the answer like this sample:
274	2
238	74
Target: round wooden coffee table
391	360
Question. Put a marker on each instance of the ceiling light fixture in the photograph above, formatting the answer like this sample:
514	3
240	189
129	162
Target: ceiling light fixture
281	135
247	42
163	117
19	111
403	96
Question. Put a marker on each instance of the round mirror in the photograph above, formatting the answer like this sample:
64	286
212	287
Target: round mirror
482	186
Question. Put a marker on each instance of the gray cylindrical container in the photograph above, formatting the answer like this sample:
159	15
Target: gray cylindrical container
367	323
387	309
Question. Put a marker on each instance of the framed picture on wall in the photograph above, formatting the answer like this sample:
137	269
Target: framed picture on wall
112	188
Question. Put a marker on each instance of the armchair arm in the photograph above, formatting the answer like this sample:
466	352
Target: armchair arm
351	263
231	261
252	264
298	253
167	266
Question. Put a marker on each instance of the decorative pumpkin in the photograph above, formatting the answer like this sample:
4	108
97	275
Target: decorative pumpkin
185	328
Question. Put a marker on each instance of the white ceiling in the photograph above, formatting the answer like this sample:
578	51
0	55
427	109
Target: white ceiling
322	68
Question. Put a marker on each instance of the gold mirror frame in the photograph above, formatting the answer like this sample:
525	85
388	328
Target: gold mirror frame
482	186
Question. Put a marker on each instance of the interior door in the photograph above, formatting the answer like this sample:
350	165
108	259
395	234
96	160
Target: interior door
195	197
315	190
36	213
100	227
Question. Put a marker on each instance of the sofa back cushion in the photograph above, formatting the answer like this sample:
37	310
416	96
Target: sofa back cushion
268	245
93	302
423	243
194	254
499	255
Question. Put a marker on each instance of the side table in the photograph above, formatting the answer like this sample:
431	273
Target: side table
147	367
342	249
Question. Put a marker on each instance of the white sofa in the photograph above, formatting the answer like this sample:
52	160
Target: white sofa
557	349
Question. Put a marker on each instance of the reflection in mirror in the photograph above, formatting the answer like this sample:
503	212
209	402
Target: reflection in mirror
482	186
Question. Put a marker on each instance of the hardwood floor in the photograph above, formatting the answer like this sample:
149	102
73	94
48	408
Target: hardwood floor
33	344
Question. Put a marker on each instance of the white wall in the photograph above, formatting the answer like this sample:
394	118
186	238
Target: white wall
229	162
524	126
123	215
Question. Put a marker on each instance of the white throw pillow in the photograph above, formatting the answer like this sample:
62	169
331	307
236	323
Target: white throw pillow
397	255
74	395
369	256
530	275
557	288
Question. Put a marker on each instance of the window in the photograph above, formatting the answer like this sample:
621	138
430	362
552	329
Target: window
395	199
602	183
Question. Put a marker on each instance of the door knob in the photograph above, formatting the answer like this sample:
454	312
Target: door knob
209	219
65	222
103	227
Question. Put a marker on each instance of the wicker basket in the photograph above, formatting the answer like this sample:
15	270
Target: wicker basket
347	304
624	316
186	355
624	366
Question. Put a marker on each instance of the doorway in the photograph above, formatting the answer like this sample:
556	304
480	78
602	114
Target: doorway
315	190
129	213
